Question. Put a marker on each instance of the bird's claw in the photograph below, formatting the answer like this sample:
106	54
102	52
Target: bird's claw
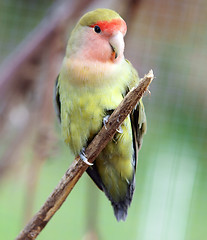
119	130
105	120
84	158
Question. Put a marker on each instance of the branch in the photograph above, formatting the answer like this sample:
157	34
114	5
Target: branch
78	167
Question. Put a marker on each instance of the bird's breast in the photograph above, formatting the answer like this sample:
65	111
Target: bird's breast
87	92
95	74
83	112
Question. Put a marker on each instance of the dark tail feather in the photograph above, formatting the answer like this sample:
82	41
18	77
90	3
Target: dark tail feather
120	207
120	210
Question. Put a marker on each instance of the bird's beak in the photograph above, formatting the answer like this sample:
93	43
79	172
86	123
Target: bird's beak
117	45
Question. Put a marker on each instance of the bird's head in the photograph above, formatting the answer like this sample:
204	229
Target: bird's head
98	36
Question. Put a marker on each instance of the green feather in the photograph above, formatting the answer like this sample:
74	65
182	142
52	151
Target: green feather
100	14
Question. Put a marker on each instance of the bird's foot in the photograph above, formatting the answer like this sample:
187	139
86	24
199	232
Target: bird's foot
119	129
106	119
84	158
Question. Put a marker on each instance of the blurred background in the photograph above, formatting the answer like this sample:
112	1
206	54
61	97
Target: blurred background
168	36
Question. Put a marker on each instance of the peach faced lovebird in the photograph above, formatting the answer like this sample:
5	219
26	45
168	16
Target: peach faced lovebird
93	80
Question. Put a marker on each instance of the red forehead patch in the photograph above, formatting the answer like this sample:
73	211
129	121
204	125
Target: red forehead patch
113	25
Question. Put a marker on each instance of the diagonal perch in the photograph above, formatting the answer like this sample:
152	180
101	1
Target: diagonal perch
77	168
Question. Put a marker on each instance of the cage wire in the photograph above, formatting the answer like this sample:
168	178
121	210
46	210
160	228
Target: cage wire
170	37
17	19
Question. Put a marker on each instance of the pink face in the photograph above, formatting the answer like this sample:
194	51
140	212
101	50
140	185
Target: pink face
111	27
104	41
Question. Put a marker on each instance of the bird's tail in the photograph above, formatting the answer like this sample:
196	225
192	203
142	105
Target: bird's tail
121	207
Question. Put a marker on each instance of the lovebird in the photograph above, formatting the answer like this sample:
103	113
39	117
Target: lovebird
93	80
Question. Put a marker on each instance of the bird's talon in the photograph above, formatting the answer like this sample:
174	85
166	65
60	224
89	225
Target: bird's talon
119	130
105	120
84	158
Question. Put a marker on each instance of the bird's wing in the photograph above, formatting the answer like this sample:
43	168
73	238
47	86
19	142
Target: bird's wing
56	99
93	173
139	127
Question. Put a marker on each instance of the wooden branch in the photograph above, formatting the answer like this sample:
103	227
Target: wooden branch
77	168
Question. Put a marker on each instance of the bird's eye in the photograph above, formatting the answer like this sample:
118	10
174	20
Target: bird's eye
97	29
